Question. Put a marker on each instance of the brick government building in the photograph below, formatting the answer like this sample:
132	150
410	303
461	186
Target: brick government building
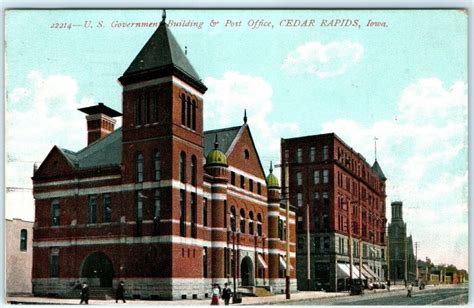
335	187
158	203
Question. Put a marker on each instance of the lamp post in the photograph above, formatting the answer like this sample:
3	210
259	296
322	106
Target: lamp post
234	261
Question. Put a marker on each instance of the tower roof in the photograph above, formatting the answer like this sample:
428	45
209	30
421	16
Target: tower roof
378	170
216	157
272	180
162	56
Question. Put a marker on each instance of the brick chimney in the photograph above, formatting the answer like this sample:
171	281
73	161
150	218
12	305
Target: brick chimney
100	121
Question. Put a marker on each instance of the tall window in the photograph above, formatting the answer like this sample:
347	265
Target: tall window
325	176
138	111
259	224
251	223
183	109
299	178
299	199
54	263
139	211
157	206
193	118
242	220
204	212
259	188
182	220
154	107
312	154
232	218
189	110
316	177
23	239
55	213
92	209
299	155
193	170
225	213
204	262
193	215
139	168
157	166
232	178
182	167
280	229
325	152
326	200
242	181
107	208
146	113
251	185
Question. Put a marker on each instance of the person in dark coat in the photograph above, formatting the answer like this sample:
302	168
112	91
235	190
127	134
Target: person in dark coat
120	293
226	294
84	294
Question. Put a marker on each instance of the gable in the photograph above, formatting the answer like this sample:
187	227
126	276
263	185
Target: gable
236	154
56	163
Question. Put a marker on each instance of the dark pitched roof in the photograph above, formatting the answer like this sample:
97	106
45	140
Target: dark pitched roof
225	137
104	152
100	108
378	170
162	55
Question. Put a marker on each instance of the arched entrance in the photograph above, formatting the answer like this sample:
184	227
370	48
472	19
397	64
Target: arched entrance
98	268
246	272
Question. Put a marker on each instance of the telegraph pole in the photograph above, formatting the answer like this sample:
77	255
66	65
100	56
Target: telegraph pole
287	197
308	247
416	258
388	253
406	260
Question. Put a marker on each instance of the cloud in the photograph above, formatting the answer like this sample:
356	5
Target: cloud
226	100
40	114
423	153
323	60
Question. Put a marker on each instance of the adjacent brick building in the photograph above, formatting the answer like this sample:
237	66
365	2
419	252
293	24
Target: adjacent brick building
19	256
158	203
336	187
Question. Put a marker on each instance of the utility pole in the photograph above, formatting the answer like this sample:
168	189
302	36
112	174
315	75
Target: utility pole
388	253
406	260
308	247
360	242
416	258
287	197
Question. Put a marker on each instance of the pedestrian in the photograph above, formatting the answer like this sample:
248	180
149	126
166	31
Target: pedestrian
388	285
409	289
215	295
84	293
226	294
120	292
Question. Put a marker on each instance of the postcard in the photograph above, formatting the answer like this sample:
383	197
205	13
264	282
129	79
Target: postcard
216	156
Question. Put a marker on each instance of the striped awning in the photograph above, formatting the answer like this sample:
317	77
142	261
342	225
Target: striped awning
261	262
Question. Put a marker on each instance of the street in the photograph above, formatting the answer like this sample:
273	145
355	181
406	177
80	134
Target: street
456	295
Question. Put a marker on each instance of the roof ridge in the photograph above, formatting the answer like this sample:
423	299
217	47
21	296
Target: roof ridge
98	141
221	129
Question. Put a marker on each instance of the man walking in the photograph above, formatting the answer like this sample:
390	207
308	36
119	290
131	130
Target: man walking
120	292
85	294
226	294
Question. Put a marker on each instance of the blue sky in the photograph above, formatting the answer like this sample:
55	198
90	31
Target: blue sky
405	83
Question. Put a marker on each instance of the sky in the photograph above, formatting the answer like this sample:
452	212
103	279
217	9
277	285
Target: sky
402	80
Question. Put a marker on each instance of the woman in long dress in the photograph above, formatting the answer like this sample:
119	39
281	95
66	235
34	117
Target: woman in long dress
215	295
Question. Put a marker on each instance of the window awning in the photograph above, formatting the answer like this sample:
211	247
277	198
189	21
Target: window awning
355	269
261	262
344	271
370	272
283	264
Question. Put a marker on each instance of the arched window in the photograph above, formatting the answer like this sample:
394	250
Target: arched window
139	168
242	220
23	239
182	167
154	107
188	118
193	170
157	166
138	111
232	218
193	118
146	109
251	223
183	109
259	224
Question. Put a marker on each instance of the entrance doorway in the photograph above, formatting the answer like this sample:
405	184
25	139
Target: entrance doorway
246	272
98	268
